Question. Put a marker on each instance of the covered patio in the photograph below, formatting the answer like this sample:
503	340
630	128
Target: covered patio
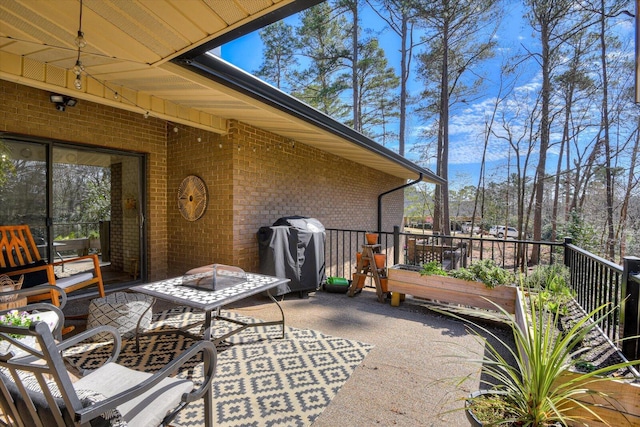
406	379
145	103
152	108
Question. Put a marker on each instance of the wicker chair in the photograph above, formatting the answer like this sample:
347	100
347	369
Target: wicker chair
36	388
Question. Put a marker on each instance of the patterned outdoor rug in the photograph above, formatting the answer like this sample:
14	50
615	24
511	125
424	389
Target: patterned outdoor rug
261	379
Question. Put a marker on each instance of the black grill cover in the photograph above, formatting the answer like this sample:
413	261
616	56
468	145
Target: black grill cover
293	248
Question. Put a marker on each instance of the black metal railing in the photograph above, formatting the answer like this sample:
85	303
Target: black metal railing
599	282
453	251
596	281
77	229
631	308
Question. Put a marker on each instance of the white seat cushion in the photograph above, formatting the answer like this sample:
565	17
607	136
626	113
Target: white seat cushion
65	282
144	411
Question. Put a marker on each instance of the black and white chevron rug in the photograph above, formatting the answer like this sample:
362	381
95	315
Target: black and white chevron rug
261	379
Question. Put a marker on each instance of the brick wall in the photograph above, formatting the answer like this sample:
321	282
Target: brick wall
210	239
28	111
266	177
253	178
129	214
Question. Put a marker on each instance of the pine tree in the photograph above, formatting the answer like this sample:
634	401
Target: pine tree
459	38
279	61
322	37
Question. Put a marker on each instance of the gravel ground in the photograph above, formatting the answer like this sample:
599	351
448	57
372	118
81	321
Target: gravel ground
598	350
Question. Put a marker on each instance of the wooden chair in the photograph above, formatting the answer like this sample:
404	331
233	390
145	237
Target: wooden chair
36	389
20	256
450	257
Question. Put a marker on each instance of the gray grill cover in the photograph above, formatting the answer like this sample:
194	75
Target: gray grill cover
293	248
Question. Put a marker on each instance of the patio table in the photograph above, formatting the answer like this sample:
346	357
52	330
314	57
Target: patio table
187	290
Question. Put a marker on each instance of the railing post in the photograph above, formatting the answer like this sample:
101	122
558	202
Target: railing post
629	313
396	244
567	257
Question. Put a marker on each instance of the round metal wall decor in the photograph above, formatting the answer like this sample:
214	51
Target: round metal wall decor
192	198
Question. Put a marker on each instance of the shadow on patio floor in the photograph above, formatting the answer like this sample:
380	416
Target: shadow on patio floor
406	380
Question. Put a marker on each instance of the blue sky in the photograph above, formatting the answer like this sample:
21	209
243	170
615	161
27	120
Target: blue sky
467	124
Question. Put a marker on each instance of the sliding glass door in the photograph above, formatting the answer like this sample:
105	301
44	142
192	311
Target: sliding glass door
23	188
77	201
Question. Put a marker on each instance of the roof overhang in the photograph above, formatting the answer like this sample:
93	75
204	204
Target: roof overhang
133	50
280	113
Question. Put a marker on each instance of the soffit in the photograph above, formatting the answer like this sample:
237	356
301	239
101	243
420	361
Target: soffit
127	63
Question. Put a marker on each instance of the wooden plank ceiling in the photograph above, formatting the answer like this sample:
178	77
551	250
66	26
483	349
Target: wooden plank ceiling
130	44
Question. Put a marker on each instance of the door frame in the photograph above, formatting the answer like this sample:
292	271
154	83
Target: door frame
49	145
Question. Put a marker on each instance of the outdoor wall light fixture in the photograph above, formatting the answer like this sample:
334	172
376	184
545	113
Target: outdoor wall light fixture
62	102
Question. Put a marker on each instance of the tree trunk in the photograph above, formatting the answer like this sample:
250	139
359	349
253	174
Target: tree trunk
630	186
563	142
544	137
443	136
610	245
404	76
357	124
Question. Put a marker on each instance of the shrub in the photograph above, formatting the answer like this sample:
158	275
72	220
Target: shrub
485	271
552	285
433	268
541	275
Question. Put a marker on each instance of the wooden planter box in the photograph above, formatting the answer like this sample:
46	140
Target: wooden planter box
94	244
80	246
405	279
620	407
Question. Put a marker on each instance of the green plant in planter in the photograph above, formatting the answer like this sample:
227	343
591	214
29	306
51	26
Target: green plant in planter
552	285
17	318
541	275
433	268
528	392
485	271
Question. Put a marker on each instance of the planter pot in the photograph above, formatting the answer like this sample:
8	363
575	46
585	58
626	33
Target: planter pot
15	303
473	420
94	244
384	284
372	238
359	257
471	416
405	279
358	279
381	260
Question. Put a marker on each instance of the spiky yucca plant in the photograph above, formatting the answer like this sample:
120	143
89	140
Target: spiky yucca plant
529	392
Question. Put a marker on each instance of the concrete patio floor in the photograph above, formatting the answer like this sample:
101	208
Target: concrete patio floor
408	379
